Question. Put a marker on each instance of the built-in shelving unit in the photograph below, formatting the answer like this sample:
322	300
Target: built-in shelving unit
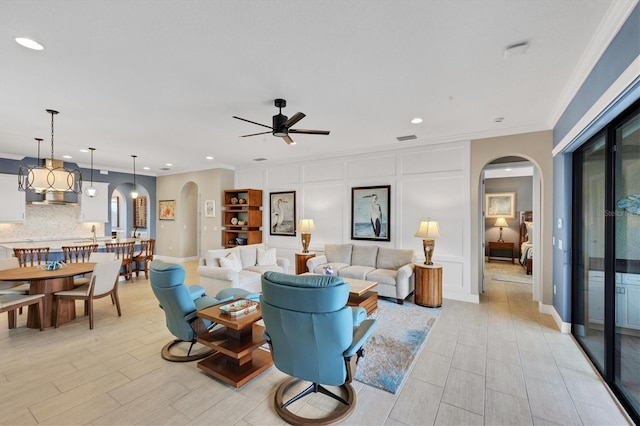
242	217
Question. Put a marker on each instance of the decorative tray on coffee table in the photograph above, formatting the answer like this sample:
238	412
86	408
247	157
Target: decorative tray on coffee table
239	307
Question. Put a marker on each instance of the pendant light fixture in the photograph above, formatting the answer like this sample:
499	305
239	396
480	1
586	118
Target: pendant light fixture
50	178
91	191
134	192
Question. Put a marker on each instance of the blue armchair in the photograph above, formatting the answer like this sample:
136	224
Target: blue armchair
180	304
313	337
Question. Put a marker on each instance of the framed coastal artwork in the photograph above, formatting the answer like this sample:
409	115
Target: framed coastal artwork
500	204
167	209
283	213
371	213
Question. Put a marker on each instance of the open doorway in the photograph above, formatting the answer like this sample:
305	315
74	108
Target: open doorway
510	200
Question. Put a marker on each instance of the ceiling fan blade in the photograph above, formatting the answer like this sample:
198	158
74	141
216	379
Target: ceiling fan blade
253	122
309	132
256	134
288	140
294	119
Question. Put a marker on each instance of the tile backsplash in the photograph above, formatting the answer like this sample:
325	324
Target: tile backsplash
49	222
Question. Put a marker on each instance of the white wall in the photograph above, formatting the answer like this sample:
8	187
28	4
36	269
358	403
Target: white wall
427	181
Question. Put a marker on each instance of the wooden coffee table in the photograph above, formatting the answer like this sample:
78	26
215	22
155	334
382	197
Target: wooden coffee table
240	357
360	293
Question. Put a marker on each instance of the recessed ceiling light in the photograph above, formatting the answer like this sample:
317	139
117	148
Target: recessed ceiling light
209	157
68	157
507	170
499	120
168	164
84	150
28	43
416	120
147	168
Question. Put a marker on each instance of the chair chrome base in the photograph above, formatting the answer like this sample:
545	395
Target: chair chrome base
166	353
281	407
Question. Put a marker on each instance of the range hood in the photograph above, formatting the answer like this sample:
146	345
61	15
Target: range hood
52	198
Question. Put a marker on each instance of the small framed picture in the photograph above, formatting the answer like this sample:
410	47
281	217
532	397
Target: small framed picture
370	213
210	208
167	209
283	213
500	204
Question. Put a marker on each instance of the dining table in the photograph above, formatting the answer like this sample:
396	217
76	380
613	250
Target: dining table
47	282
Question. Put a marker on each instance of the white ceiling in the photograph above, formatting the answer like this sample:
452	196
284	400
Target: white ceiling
162	79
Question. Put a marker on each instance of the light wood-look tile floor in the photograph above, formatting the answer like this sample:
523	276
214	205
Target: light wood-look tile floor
497	362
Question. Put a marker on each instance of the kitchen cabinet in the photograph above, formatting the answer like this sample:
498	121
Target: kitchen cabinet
242	217
95	209
627	299
13	201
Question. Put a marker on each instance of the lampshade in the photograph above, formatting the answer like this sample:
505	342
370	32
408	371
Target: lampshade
50	178
501	221
428	229
306	226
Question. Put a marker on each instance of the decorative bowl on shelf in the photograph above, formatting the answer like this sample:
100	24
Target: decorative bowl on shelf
241	222
234	220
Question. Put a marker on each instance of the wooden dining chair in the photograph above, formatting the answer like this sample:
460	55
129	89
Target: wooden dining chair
144	257
33	256
104	282
124	252
79	254
11	302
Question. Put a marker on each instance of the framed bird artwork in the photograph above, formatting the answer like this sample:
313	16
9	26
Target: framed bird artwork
370	213
283	213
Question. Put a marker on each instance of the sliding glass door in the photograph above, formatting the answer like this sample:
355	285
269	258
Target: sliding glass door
627	255
606	256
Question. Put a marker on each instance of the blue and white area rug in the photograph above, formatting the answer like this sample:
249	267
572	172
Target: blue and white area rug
390	352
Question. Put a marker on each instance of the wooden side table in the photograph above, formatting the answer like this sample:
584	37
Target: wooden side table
301	262
428	285
496	245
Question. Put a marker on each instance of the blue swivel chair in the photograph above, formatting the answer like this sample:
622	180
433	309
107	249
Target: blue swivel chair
180	304
313	337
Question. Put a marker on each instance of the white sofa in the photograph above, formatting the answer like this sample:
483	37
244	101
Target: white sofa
392	269
253	261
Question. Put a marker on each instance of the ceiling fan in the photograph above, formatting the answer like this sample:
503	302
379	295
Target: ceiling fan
282	124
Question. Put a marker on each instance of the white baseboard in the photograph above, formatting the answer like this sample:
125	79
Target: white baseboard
565	327
471	298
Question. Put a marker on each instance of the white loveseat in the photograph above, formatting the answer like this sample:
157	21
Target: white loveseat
392	269
239	267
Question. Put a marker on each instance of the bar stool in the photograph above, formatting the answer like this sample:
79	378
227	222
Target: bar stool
145	256
33	256
79	254
124	252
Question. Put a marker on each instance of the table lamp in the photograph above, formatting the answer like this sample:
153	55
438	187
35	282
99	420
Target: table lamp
501	222
428	230
305	227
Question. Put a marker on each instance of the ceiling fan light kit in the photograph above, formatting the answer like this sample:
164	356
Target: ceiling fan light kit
281	124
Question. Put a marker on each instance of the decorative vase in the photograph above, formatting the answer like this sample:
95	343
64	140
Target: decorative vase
234	200
328	270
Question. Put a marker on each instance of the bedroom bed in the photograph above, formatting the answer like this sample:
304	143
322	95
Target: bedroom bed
526	240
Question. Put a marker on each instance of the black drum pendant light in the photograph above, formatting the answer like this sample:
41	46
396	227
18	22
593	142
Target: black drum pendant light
50	178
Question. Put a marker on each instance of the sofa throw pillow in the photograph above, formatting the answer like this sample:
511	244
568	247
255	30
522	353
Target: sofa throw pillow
231	261
266	257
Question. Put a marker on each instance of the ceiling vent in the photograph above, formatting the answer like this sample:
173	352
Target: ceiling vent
260	159
406	138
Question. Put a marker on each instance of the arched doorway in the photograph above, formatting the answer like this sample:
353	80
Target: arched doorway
129	217
509	204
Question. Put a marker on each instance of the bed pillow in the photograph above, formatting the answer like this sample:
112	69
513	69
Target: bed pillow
529	226
231	261
266	257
